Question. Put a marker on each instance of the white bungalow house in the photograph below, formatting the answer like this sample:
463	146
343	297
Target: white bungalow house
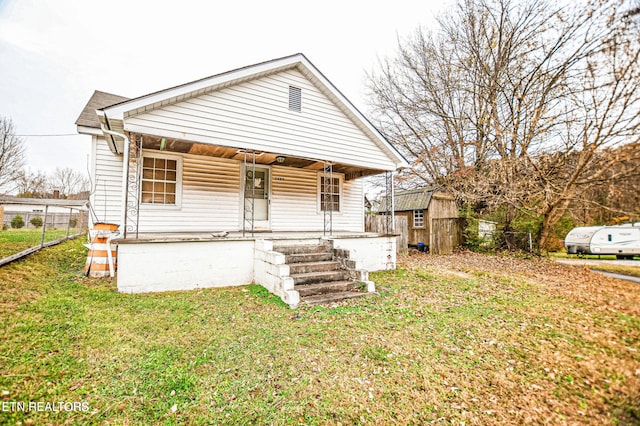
252	175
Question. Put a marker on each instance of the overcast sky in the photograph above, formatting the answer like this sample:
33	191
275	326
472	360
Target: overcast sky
54	54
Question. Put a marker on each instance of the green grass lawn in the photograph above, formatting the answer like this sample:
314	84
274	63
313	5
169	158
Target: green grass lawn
440	344
16	240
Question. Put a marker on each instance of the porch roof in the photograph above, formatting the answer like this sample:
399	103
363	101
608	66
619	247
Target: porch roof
262	158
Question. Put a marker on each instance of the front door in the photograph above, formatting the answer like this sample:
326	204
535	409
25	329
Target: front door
256	194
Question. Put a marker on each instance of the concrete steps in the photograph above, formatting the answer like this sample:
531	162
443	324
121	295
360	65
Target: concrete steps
324	288
318	278
307	267
303	249
308	257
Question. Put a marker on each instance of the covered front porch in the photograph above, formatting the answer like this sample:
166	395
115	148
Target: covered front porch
173	186
198	216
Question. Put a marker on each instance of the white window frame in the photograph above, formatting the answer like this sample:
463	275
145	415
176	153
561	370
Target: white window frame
340	193
419	213
178	160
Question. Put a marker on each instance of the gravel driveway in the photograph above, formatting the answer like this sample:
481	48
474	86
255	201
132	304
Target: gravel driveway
578	261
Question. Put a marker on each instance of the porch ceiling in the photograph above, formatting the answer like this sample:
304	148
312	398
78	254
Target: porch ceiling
262	158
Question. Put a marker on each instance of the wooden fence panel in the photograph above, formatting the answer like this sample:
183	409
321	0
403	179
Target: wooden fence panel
447	234
378	224
402	229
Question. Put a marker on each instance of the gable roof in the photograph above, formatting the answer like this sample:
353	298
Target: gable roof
88	117
415	199
114	115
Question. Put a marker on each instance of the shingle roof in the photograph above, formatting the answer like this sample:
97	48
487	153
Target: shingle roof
88	117
415	199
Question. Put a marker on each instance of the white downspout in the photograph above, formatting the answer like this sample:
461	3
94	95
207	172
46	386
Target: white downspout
125	173
112	272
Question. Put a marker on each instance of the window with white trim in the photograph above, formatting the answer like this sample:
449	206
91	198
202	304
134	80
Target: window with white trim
418	218
330	194
160	180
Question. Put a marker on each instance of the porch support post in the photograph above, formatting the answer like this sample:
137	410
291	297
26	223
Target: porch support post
393	205
132	199
248	204
125	185
389	204
327	191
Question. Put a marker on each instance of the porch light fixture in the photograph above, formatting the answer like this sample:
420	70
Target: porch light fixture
280	159
250	152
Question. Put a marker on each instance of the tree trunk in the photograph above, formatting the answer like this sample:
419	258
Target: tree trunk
549	218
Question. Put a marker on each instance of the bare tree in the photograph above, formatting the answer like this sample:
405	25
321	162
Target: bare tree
31	184
634	10
614	199
514	104
11	153
68	182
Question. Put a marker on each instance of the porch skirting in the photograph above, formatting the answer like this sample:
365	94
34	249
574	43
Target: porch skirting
165	264
183	265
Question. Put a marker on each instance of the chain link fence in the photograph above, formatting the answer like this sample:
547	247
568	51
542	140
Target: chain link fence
31	224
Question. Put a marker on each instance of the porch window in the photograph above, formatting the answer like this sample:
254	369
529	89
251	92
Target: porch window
418	218
159	180
330	194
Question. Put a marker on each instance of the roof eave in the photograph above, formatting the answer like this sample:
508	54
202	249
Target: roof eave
175	94
105	121
85	130
372	130
166	96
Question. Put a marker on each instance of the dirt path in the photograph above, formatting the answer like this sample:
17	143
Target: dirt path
619	276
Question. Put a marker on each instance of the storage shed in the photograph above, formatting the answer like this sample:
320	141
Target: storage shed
424	209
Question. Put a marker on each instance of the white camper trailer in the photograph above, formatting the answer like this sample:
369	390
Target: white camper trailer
623	241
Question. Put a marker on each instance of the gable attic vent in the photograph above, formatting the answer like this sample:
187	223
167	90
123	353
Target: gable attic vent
295	98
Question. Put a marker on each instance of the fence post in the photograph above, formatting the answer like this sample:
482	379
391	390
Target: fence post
530	244
44	225
69	221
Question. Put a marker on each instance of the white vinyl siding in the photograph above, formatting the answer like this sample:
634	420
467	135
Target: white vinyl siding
256	115
294	202
209	200
107	183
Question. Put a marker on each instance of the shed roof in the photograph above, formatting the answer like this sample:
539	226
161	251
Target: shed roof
415	199
88	117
